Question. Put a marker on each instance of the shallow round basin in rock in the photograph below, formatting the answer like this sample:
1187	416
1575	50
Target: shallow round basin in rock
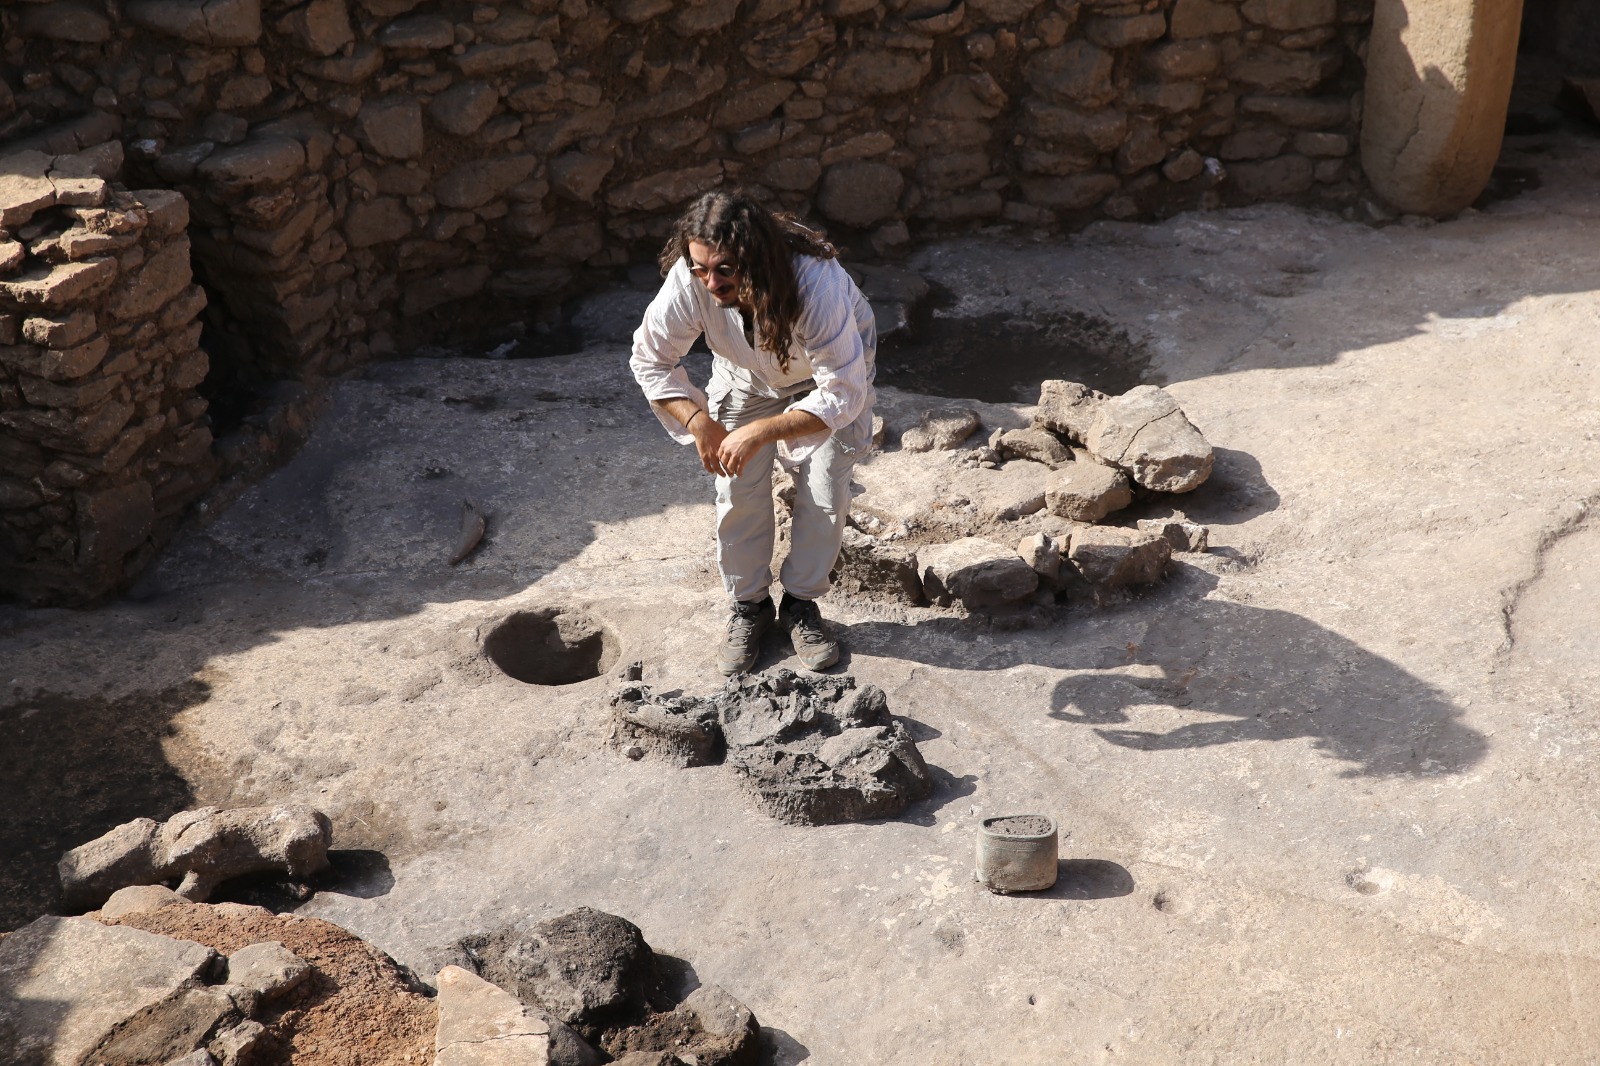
552	646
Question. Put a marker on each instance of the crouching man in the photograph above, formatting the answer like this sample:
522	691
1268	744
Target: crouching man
795	348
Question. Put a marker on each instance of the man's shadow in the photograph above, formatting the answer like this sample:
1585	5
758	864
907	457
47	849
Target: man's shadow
1222	673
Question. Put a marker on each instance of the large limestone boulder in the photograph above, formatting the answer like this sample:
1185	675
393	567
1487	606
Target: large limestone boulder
1438	84
204	847
1145	433
976	571
1068	408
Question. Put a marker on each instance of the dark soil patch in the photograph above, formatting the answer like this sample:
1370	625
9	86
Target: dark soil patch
1507	183
1001	358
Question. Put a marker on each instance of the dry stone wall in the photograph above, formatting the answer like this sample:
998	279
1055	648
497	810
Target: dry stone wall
102	441
366	175
357	168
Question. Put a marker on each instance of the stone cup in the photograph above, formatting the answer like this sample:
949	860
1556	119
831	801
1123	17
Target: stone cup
1017	853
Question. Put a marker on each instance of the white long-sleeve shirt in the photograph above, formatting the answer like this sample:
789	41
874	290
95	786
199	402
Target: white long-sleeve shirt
832	359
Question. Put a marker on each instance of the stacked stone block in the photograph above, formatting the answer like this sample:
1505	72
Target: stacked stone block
359	169
368	175
102	435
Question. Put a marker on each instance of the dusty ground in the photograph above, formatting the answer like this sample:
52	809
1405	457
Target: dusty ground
1329	791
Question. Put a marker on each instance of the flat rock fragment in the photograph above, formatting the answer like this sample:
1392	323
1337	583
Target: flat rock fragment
1087	492
481	1024
977	571
473	524
1003	493
1145	433
940	430
267	969
71	983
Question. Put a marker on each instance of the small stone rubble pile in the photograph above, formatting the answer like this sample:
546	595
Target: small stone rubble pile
103	442
1016	519
117	995
155	979
812	750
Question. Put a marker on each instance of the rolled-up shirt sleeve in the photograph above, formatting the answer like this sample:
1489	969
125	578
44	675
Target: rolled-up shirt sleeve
671	324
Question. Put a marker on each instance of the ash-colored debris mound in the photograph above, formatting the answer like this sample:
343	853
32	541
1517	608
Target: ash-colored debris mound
813	750
595	983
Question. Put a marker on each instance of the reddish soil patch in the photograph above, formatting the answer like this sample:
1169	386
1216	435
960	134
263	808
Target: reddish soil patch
357	1009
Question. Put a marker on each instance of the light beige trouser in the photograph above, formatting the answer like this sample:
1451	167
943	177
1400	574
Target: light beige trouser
746	523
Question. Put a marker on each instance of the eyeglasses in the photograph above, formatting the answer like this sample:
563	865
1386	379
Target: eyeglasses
721	270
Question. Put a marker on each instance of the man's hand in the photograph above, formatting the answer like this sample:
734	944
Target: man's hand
740	446
708	437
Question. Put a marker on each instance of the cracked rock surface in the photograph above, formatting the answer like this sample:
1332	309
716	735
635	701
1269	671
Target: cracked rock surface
589	980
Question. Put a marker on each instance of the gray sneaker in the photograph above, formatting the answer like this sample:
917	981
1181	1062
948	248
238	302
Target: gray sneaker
808	633
746	625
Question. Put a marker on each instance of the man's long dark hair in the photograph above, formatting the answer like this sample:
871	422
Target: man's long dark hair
763	244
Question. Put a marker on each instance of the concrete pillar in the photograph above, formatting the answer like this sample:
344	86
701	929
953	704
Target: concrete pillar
1438	82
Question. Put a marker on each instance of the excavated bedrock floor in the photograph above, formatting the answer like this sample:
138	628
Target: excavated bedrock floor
1324	794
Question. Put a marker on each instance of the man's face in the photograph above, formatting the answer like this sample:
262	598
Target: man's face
717	270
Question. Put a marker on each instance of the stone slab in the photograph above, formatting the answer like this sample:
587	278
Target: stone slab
66	983
481	1024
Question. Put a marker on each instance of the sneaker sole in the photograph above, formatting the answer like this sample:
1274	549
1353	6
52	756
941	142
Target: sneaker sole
727	669
816	660
822	663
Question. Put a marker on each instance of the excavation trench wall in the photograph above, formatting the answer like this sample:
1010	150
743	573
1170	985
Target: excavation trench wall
365	176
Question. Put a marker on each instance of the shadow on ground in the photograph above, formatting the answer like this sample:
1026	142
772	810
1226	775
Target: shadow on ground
72	769
1211	672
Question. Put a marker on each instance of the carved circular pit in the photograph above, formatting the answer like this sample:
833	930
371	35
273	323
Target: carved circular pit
552	646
